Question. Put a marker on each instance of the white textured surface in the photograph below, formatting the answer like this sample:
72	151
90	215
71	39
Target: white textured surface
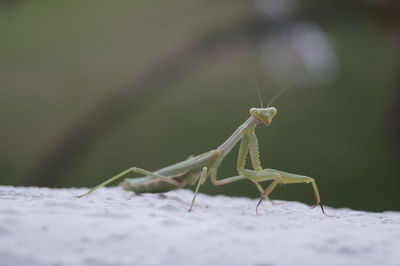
41	226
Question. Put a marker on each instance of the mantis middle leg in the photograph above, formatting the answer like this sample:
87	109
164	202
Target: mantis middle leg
202	179
280	177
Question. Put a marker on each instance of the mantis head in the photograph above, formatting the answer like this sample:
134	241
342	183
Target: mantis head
264	115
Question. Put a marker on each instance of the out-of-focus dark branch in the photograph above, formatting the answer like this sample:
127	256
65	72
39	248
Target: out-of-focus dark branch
158	76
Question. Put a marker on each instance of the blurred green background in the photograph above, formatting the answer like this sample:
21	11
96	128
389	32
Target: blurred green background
90	88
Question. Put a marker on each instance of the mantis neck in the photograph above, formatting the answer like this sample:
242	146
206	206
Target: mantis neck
228	145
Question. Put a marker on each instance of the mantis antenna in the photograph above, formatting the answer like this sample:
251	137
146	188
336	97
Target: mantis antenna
283	90
259	94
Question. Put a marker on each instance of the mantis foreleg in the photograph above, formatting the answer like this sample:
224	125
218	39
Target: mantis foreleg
253	149
266	192
248	143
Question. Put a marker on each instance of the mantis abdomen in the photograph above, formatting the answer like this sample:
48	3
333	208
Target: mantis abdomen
149	184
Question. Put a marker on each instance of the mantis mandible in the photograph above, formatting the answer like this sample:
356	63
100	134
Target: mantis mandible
199	168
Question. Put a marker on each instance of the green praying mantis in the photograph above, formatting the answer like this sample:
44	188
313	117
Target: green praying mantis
198	168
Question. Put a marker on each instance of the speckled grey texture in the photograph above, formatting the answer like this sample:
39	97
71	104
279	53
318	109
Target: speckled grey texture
42	226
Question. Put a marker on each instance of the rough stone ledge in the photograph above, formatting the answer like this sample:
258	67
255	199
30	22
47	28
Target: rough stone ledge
42	226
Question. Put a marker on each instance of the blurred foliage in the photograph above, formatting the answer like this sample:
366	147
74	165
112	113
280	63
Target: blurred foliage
58	60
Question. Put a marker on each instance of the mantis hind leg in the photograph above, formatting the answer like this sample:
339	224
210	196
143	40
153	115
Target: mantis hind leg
202	178
129	170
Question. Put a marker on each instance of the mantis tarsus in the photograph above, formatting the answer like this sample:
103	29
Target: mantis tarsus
198	168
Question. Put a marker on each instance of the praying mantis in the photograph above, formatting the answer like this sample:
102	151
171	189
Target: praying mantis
198	168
